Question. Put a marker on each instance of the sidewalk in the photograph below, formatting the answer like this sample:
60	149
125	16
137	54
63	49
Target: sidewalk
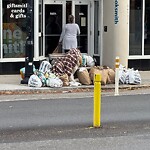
10	84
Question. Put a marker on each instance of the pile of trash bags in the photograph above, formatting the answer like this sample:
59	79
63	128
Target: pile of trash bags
44	77
129	76
82	67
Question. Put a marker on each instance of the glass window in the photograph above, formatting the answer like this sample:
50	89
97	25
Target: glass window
135	39
96	31
81	18
40	30
147	28
53	26
14	28
68	9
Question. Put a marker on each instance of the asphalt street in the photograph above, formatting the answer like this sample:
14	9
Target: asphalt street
74	111
136	142
66	123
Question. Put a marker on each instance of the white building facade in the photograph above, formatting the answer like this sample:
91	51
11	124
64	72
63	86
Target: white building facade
109	28
127	35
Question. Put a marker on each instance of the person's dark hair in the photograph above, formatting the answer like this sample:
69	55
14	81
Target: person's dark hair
70	18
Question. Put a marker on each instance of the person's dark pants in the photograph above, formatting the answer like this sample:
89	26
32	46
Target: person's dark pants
66	50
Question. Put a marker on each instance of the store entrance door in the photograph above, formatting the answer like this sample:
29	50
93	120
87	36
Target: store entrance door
55	14
82	18
53	19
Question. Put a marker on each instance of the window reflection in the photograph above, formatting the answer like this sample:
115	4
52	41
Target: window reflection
14	28
147	28
96	32
81	18
53	26
135	42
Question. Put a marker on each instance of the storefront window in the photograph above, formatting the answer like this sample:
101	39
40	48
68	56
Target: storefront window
40	29
147	28
96	31
135	27
14	28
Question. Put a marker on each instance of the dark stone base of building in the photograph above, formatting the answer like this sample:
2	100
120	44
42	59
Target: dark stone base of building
140	64
14	67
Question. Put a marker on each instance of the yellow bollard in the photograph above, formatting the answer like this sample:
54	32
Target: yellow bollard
97	101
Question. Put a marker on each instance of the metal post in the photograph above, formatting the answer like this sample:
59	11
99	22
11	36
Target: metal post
117	76
97	101
29	42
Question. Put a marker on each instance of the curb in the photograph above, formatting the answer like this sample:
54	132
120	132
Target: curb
90	88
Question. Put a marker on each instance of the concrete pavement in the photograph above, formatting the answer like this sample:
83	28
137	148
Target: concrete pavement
10	84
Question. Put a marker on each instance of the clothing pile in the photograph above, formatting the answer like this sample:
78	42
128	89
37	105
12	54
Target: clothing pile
66	64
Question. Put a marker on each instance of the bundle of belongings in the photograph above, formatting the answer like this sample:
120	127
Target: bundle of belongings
60	73
44	77
129	76
107	74
87	61
63	70
87	77
68	64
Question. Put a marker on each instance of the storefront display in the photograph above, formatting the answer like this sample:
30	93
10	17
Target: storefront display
14	28
17	44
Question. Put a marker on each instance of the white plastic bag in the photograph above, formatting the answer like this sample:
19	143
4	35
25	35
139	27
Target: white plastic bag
90	61
84	58
134	77
122	76
34	81
74	83
44	67
41	77
54	82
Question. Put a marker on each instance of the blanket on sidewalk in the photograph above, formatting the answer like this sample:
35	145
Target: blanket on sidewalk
66	64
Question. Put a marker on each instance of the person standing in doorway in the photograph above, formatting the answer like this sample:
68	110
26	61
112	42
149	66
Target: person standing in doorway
68	37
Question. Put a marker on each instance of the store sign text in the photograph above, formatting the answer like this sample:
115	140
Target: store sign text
15	44
116	18
17	11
